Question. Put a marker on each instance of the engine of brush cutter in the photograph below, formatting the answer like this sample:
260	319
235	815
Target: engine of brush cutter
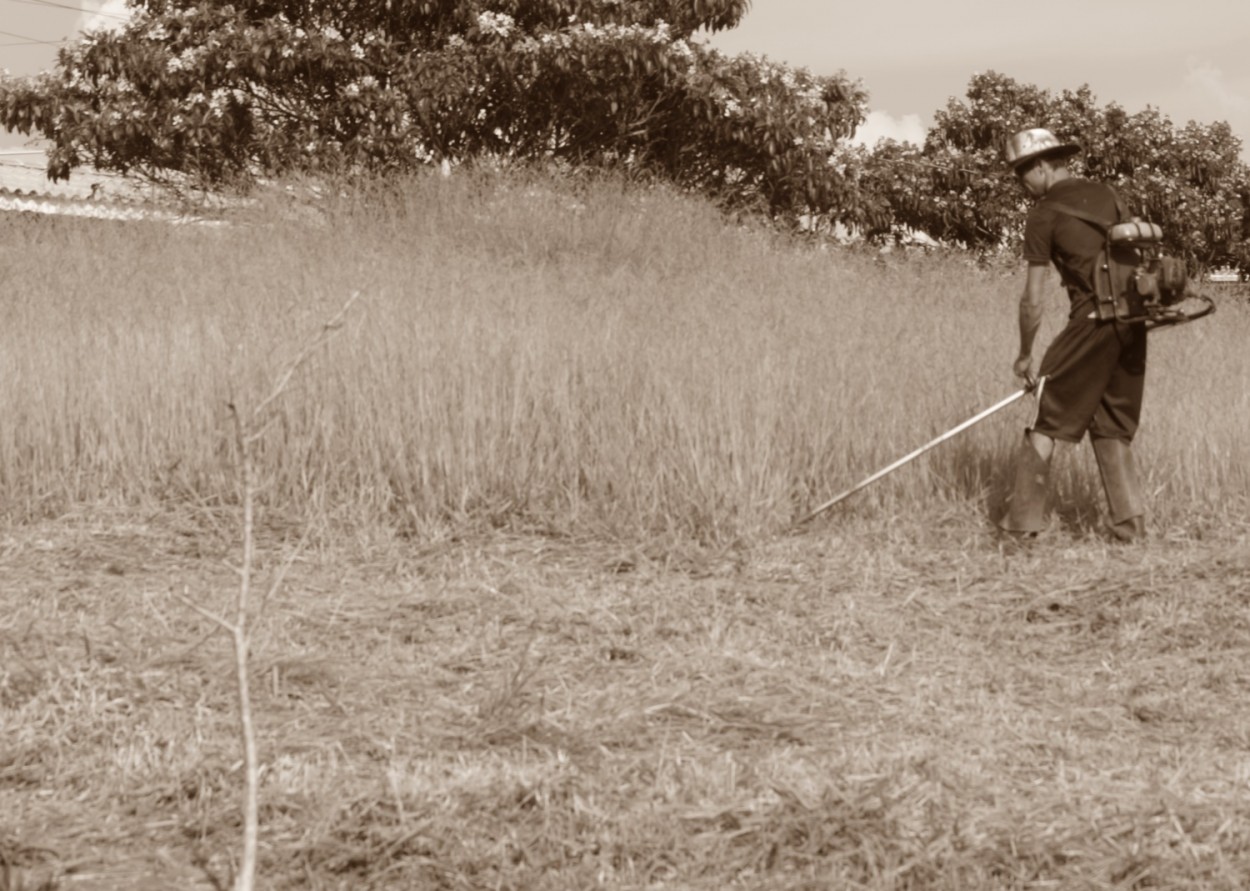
1136	280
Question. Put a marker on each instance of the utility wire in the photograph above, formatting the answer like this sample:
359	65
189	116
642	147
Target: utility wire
40	169
35	43
32	39
53	5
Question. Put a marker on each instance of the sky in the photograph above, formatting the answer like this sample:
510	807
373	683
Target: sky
32	30
1190	59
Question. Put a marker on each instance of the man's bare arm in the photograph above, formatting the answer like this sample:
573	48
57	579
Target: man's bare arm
1030	316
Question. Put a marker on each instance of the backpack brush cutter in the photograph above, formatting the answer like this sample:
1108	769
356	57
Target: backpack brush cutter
1135	279
1165	307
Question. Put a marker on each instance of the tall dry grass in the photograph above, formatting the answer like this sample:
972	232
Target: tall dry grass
561	355
888	704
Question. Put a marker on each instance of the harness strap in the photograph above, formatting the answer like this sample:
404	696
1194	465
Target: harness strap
1101	223
1103	226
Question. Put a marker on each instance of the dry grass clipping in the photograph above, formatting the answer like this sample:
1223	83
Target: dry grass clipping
874	706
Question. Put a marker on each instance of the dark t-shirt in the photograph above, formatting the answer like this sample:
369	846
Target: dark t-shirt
1051	235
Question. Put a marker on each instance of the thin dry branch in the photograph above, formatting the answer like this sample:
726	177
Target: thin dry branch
246	432
327	331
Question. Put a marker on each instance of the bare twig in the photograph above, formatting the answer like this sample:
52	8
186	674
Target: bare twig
327	331
246	878
280	576
217	620
247	430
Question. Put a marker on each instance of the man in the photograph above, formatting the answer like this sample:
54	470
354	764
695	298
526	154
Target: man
1094	370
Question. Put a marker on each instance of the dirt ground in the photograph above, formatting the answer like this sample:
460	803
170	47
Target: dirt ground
869	704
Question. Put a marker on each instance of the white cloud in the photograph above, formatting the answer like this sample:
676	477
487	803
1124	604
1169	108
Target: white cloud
883	125
1208	94
1211	85
111	14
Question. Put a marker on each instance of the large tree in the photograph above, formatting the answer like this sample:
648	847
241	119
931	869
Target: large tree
227	91
956	187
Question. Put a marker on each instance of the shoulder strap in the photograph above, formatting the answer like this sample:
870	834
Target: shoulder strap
1102	223
1093	219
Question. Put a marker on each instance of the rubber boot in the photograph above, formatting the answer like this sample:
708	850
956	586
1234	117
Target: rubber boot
1125	504
1026	513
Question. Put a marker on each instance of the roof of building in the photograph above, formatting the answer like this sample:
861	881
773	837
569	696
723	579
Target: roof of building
24	172
25	187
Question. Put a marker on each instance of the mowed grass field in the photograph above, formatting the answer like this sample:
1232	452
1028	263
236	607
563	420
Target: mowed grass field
547	624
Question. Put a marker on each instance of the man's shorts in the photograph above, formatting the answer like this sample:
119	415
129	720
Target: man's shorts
1095	375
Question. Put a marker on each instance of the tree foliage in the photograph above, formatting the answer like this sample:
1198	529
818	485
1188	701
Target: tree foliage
220	92
226	92
957	188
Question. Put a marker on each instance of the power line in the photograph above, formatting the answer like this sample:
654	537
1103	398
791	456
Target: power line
35	43
39	169
53	5
19	44
31	40
49	4
21	40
